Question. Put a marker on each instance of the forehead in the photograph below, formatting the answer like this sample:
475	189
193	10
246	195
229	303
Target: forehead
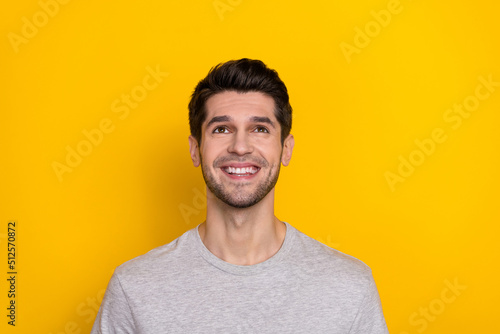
237	105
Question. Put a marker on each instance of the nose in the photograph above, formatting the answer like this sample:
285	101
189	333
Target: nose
240	144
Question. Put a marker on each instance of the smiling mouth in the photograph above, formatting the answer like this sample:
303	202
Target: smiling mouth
240	171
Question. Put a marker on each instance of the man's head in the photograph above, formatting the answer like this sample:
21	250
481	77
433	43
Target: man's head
243	75
239	140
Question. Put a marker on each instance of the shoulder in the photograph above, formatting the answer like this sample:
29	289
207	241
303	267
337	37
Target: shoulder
156	260
327	262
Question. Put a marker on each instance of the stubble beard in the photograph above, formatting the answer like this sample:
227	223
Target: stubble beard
240	198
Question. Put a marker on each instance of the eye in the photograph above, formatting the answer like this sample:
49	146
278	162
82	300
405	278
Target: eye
220	129
261	129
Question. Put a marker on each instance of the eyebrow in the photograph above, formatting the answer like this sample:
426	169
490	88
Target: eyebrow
219	119
255	119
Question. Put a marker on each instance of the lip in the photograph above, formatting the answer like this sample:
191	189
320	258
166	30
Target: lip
239	165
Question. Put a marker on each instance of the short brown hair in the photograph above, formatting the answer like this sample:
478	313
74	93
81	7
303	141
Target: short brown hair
243	75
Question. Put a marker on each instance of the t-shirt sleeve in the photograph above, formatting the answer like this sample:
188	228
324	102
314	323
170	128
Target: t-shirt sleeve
370	318
115	315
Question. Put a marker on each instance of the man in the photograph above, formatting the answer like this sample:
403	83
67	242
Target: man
242	270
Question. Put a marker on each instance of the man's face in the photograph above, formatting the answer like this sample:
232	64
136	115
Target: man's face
241	150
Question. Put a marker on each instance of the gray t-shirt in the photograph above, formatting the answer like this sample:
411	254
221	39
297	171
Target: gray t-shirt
181	287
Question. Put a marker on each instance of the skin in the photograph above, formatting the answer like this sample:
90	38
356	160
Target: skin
241	227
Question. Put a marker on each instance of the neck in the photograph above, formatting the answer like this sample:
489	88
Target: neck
242	236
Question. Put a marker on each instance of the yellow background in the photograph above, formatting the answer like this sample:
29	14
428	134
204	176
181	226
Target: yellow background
353	117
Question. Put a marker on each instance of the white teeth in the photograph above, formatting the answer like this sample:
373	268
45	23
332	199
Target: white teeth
240	171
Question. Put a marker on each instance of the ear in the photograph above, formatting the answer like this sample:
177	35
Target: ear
288	144
194	150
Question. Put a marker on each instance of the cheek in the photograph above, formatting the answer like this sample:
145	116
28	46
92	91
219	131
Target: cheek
209	155
274	162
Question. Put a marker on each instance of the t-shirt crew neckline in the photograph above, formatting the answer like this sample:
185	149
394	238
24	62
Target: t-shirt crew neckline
253	269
